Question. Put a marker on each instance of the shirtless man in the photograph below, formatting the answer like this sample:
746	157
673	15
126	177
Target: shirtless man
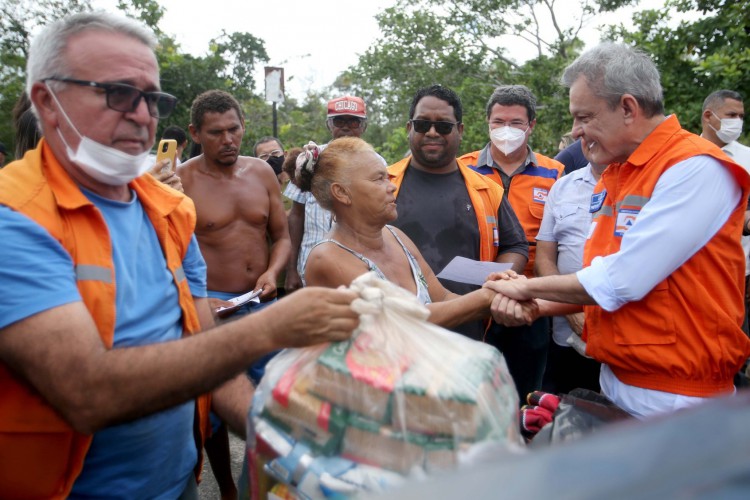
239	210
236	198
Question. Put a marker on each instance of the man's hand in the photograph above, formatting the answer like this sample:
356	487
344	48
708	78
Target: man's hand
266	281
576	322
510	274
313	315
510	312
215	304
162	172
292	281
510	284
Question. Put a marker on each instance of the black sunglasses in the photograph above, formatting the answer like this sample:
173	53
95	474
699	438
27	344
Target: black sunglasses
424	126
126	98
352	121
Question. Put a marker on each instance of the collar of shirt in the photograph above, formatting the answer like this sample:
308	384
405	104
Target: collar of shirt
584	174
739	153
485	159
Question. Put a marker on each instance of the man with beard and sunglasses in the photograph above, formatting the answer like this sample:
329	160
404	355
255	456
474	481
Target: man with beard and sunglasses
447	209
239	213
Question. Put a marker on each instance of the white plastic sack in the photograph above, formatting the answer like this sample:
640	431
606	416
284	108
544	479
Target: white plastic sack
402	398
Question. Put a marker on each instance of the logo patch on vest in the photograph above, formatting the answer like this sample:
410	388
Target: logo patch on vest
540	195
625	220
597	200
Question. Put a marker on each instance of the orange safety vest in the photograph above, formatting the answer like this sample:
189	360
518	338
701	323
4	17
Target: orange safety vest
484	195
684	336
527	194
40	453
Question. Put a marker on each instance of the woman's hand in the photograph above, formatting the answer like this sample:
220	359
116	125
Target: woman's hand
510	312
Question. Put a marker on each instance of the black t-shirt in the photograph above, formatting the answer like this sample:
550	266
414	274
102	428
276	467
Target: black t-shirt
435	211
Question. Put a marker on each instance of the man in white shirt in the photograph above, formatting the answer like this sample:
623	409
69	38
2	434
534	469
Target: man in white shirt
559	250
722	120
662	278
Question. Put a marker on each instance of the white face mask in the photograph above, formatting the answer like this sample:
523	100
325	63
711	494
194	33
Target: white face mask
105	164
507	139
730	130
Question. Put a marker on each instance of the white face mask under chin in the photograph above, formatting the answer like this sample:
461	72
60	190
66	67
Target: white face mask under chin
730	129
105	164
507	139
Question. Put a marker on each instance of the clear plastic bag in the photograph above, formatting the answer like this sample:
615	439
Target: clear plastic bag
402	398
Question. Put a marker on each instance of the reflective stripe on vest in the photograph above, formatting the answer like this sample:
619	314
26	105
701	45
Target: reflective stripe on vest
179	274
605	211
93	273
633	201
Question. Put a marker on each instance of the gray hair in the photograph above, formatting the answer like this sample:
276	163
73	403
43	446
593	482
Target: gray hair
717	98
48	47
613	70
513	95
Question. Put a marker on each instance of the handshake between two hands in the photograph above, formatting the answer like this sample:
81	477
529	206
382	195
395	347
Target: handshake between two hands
512	305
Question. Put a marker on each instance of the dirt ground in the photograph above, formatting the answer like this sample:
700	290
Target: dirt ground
208	489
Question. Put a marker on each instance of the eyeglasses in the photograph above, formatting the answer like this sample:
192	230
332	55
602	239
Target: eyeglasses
126	98
424	126
343	121
275	153
514	124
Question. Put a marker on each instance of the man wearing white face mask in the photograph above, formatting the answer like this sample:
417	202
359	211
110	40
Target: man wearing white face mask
105	383
527	177
722	120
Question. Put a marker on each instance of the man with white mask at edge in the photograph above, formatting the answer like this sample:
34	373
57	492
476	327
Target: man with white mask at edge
721	121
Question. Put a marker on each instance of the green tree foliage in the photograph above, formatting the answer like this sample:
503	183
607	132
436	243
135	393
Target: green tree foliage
470	46
186	76
19	20
708	51
229	64
149	12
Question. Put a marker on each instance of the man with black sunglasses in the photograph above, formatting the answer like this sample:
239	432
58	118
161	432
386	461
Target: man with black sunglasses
108	358
443	206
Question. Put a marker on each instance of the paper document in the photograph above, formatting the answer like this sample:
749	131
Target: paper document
241	300
473	272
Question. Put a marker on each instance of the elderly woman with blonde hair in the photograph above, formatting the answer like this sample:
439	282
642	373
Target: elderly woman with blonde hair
348	178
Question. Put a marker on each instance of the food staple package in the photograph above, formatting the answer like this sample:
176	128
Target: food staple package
401	399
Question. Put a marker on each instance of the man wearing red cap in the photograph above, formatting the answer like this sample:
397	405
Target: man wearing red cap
347	117
308	221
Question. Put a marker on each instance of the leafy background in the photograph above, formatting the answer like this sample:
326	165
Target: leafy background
421	42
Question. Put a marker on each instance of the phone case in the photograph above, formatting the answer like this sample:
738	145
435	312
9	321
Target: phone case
167	151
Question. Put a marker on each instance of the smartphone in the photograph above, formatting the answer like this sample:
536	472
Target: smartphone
167	151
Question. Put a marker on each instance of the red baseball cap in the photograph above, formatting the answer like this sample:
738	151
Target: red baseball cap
347	105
